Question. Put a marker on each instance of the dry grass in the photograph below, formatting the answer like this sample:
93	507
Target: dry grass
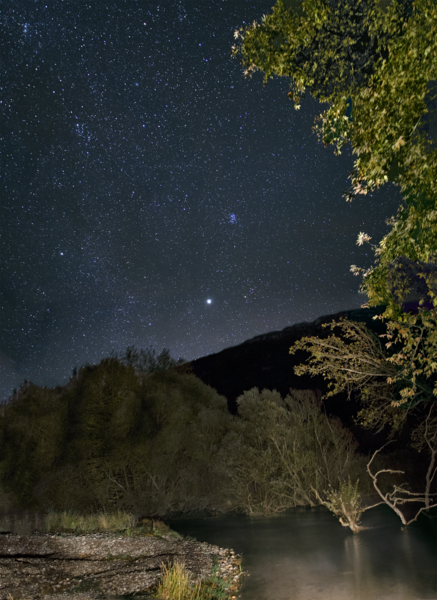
117	522
72	521
176	584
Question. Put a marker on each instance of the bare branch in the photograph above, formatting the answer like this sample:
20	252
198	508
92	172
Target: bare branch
393	499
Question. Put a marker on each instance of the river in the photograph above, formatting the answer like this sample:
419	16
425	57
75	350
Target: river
305	554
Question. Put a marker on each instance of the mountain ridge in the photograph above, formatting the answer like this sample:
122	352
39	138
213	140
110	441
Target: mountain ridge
264	362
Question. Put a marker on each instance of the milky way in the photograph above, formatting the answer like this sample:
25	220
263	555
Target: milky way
154	196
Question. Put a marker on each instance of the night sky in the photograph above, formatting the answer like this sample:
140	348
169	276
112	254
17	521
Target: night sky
152	195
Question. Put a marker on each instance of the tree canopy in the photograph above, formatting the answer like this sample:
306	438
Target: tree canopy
389	386
373	61
326	46
113	438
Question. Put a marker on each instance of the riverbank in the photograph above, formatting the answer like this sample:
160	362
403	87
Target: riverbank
121	556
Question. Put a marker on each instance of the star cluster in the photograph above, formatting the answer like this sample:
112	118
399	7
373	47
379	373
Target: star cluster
154	196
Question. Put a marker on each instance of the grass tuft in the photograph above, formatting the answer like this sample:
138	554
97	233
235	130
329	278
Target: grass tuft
176	585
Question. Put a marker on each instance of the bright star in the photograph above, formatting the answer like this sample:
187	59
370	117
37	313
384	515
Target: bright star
209	301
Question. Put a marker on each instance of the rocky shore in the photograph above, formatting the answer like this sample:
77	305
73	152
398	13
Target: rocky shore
104	565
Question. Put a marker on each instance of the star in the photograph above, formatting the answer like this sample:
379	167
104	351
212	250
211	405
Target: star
156	172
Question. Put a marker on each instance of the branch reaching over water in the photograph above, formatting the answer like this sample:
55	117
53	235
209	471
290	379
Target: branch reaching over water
395	499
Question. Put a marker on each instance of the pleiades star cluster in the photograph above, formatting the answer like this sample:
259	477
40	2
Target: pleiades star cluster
152	195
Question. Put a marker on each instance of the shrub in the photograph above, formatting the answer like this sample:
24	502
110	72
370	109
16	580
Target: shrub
278	451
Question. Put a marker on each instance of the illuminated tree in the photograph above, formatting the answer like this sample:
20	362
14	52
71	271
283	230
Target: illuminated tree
284	453
353	54
391	388
374	62
326	46
388	385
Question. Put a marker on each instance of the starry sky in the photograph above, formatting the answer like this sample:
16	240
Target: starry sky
152	195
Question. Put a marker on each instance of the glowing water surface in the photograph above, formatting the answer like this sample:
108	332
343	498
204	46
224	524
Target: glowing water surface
305	554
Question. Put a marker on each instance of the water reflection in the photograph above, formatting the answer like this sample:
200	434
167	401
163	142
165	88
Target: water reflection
306	555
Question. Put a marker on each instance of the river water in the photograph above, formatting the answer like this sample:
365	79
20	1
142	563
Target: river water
305	554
